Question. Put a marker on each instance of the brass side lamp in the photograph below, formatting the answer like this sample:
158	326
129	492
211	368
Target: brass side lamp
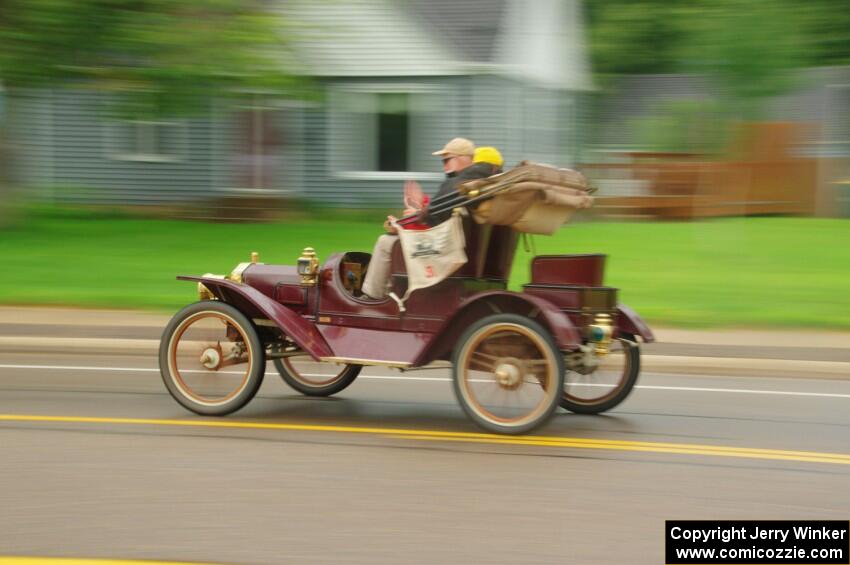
308	267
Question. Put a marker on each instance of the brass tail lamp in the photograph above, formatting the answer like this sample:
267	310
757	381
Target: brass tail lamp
600	332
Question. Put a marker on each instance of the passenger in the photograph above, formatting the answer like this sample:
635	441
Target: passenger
487	161
457	156
484	156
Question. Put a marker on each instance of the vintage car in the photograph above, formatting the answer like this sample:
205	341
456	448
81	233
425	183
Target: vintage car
515	356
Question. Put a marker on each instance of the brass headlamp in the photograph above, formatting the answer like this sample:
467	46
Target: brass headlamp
308	266
239	270
205	293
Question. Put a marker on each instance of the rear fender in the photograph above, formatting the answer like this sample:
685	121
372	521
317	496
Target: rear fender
254	303
566	335
630	322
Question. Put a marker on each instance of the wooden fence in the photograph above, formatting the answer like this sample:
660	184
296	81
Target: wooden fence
760	177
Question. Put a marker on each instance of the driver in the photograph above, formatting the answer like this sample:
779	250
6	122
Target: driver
457	156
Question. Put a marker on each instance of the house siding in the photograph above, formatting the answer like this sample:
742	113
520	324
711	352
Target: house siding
524	122
70	143
30	124
69	149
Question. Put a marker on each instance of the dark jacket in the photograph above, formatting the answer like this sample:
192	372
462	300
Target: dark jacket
449	186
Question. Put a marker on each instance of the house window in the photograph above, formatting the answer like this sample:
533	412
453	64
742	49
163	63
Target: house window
384	131
145	140
392	131
257	147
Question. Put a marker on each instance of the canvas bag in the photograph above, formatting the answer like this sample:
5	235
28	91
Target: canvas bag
431	255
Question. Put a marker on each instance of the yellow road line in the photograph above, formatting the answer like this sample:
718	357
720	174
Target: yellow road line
78	561
809	457
468	437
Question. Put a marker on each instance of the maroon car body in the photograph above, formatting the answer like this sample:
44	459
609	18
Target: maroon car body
566	303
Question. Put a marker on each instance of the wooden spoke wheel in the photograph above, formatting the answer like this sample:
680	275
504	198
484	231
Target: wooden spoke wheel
315	378
508	373
211	359
608	384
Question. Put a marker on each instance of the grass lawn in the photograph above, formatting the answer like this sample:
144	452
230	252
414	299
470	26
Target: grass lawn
755	272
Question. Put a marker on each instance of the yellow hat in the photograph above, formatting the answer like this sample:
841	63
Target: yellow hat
488	155
457	146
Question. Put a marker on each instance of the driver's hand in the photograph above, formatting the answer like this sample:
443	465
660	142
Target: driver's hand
388	225
413	195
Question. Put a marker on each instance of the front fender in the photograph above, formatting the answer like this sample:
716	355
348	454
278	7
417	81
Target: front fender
301	331
566	336
630	322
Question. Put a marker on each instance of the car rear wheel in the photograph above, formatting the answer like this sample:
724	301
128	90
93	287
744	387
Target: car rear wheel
608	384
211	359
315	378
508	374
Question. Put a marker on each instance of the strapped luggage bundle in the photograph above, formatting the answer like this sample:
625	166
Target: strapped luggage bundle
531	198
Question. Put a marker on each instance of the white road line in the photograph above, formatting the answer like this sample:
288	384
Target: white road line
744	391
445	379
149	370
80	368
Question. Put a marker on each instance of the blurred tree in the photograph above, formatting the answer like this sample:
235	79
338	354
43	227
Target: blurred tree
826	26
750	47
635	36
661	36
167	56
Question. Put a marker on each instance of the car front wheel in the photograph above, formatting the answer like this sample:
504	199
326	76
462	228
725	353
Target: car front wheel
211	359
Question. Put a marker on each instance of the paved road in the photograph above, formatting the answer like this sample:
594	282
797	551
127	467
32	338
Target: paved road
391	471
